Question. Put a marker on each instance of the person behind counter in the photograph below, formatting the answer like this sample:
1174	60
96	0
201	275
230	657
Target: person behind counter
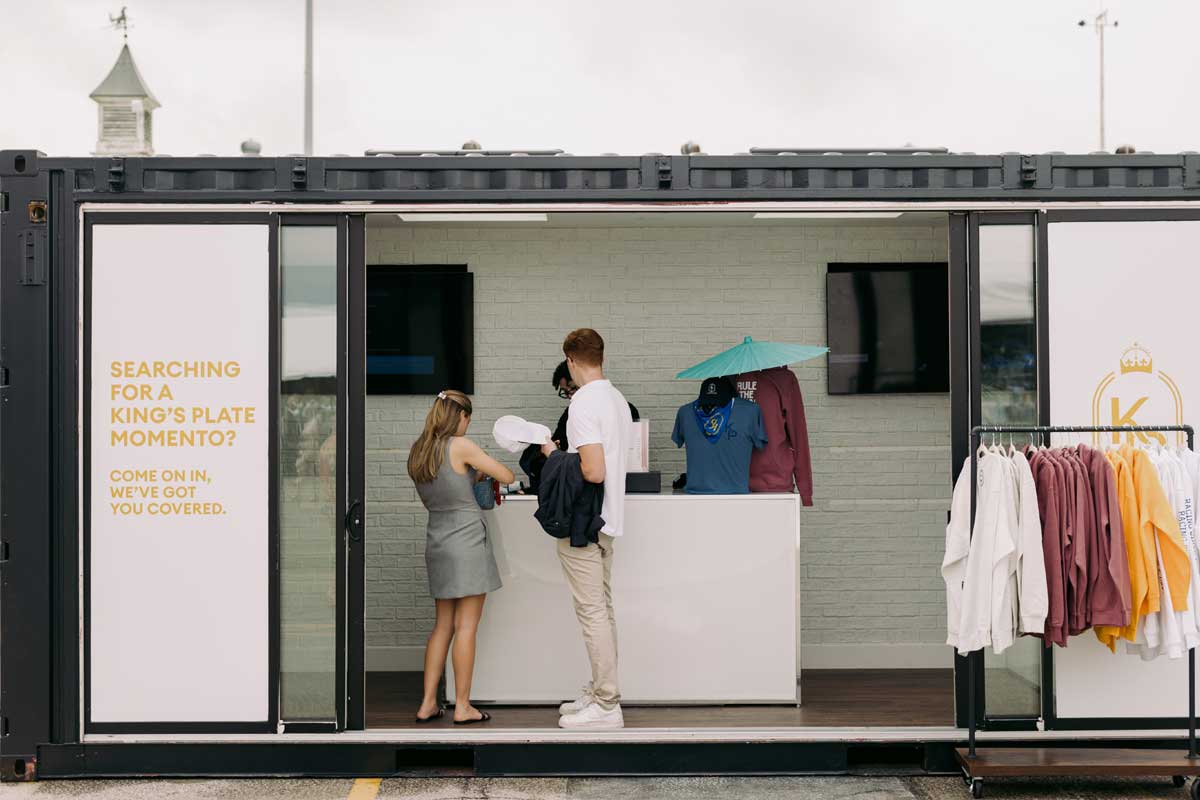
600	428
444	464
533	459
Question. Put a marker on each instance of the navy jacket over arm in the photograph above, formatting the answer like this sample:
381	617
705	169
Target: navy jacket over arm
569	506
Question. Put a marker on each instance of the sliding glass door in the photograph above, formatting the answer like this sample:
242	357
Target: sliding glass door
1008	394
995	379
319	474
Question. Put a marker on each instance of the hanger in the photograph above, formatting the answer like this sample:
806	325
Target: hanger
983	448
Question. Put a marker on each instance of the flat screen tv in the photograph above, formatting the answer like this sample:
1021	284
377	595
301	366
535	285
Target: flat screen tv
888	328
420	329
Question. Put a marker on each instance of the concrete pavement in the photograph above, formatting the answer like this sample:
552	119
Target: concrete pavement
783	788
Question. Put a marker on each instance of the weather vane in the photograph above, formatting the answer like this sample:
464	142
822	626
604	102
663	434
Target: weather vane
120	22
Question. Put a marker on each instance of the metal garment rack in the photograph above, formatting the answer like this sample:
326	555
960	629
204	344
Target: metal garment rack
1177	770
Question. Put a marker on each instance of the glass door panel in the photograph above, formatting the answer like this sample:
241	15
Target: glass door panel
310	476
1008	396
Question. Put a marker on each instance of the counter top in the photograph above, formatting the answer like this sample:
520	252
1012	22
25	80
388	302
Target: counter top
676	496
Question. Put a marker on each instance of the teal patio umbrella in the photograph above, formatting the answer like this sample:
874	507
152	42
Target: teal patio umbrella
750	356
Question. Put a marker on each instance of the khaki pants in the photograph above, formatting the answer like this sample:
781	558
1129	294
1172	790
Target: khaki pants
589	574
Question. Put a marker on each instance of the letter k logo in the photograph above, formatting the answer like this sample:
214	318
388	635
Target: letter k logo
1127	419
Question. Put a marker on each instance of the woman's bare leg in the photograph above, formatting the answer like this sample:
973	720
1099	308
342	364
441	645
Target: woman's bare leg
435	654
466	623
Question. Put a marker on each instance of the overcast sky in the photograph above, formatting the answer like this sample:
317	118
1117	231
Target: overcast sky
611	76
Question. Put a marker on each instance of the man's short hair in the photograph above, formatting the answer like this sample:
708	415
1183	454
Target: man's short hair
561	373
585	346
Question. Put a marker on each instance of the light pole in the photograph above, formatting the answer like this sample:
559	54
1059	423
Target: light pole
1100	23
308	77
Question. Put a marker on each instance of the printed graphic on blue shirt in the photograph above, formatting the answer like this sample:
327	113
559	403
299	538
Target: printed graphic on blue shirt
712	419
719	443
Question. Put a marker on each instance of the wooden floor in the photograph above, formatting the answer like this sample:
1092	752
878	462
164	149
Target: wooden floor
831	699
1073	761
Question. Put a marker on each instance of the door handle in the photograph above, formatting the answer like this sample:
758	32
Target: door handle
353	520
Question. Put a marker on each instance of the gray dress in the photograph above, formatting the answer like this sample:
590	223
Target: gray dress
458	551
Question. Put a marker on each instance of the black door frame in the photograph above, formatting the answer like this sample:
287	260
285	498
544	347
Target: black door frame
356	450
351	466
350	675
186	218
967	410
962	408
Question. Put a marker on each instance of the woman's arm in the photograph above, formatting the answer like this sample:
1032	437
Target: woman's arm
473	456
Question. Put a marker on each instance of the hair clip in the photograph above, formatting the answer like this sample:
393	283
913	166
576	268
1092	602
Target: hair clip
442	396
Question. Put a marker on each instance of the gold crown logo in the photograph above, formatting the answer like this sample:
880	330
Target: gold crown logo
1136	359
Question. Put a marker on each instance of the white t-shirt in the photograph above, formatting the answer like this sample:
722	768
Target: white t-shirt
599	414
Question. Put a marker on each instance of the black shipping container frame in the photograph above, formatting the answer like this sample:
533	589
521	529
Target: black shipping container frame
40	205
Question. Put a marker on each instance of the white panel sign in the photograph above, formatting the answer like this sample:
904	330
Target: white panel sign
178	429
1122	352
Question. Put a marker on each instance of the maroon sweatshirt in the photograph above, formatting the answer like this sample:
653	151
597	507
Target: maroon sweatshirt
1066	528
1109	585
1078	522
1084	543
785	461
1049	499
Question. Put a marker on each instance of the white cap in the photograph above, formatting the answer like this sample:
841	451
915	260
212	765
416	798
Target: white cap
513	433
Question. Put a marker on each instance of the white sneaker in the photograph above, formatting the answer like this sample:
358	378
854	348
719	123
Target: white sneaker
594	717
585	699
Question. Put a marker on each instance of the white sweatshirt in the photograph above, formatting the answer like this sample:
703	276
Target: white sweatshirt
958	547
1150	627
1179	493
1004	575
1033	597
1184	502
1191	464
1171	632
976	563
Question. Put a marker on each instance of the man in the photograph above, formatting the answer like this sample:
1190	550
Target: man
599	428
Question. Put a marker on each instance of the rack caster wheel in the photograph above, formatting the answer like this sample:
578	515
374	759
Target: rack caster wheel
977	788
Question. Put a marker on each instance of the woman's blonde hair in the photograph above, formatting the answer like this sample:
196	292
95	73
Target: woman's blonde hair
425	457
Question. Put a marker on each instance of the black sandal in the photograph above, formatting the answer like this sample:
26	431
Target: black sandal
441	712
484	718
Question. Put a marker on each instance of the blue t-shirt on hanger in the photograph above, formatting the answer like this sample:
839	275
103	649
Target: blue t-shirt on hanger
719	443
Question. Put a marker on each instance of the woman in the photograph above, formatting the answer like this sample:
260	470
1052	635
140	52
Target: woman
444	464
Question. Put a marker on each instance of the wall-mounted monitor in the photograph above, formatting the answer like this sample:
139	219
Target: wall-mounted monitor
420	329
888	328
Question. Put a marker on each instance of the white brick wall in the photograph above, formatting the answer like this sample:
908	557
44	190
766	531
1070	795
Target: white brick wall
664	298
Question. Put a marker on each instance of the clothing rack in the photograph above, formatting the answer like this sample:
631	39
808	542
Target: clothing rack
1059	762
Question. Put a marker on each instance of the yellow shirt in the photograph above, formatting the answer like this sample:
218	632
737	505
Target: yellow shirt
1141	575
1157	520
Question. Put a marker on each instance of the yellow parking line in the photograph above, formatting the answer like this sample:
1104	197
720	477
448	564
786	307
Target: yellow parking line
365	789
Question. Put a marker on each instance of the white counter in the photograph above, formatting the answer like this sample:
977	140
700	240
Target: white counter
706	595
